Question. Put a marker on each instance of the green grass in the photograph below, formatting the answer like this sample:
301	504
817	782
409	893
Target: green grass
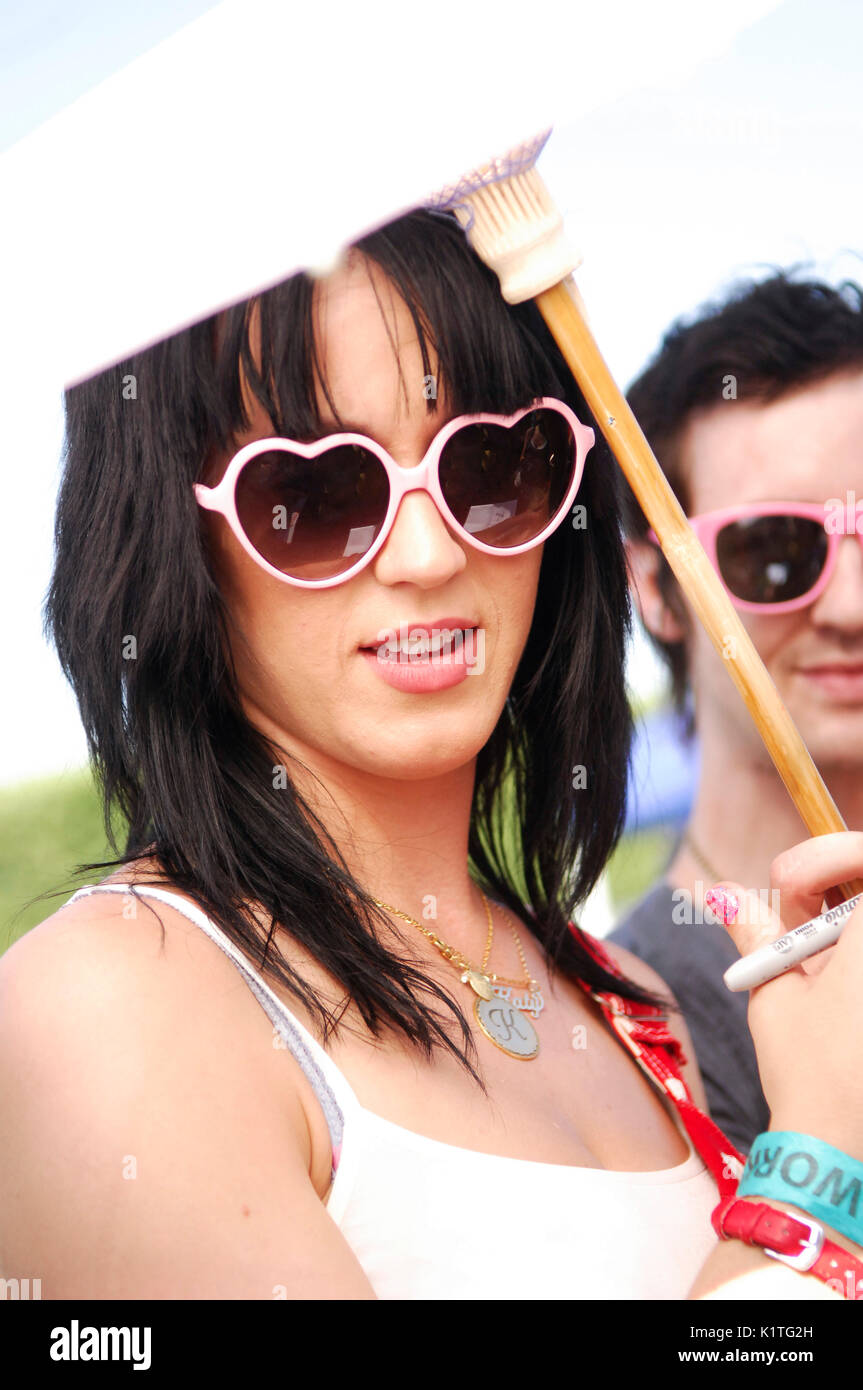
635	865
47	827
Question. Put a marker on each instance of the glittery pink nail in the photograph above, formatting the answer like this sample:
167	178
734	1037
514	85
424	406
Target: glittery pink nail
722	903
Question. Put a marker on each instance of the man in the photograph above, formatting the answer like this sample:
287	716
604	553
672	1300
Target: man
757	401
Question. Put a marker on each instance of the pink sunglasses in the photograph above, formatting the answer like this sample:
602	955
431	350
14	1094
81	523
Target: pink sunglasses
772	557
315	514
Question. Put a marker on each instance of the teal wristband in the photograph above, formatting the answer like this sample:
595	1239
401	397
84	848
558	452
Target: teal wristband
821	1180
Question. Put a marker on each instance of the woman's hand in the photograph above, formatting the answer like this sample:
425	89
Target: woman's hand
807	1025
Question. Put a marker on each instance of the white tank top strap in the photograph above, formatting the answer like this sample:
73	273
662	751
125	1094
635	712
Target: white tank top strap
331	1087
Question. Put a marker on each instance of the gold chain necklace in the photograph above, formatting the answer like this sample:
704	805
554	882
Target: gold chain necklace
530	1000
701	860
498	1014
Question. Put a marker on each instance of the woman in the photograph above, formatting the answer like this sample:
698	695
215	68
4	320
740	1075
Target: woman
321	776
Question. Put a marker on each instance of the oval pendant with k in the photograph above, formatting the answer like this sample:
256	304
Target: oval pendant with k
506	1027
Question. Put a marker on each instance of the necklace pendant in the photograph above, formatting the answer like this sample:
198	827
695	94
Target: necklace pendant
531	1002
506	1027
479	983
535	1004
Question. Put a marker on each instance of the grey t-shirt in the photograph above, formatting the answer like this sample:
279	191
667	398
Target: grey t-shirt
692	958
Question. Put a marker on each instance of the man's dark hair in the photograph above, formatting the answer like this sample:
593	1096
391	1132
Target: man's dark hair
764	339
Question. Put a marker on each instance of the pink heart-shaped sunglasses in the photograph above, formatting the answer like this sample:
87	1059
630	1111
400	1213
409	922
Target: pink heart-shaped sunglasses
316	514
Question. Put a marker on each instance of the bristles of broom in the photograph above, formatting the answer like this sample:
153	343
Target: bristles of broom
515	228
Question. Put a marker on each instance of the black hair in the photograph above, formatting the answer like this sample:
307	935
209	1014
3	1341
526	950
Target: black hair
764	339
169	740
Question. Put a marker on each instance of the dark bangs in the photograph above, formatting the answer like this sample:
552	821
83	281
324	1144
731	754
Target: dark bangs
487	356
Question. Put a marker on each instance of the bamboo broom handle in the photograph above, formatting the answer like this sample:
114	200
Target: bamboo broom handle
695	574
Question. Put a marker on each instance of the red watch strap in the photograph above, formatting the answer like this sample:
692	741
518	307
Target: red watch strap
759	1223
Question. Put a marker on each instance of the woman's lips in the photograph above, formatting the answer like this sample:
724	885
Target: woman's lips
419	659
406	630
844	684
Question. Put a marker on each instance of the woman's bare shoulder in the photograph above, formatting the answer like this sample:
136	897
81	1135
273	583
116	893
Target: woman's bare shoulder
636	969
158	1144
107	966
106	1008
103	943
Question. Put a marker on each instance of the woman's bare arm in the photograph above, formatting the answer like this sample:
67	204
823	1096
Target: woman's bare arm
141	1152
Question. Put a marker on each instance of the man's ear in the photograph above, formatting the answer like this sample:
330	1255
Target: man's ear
645	562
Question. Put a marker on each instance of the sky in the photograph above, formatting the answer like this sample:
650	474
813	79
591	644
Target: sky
55	50
749	163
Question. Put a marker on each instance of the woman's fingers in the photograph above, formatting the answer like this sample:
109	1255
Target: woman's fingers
747	915
756	922
806	1023
813	965
804	873
800	878
848	951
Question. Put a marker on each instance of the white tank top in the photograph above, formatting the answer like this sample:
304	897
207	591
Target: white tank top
429	1220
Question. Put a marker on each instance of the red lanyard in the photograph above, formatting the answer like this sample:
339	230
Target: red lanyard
644	1032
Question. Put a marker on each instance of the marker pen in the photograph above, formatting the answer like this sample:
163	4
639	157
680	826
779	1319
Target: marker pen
789	950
